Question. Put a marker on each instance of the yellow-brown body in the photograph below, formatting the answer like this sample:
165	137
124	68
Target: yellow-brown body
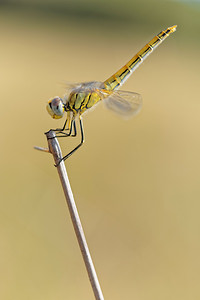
83	96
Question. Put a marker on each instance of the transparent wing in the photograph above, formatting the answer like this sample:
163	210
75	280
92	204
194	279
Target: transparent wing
89	85
69	87
83	87
126	104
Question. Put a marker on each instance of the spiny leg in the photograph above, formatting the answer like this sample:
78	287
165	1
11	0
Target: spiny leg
71	124
79	145
64	127
61	130
75	132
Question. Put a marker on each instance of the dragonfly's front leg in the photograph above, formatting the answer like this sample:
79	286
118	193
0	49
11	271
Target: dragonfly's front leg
61	130
64	127
72	125
79	145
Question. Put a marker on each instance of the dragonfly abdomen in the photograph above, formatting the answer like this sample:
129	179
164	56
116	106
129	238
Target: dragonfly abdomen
116	80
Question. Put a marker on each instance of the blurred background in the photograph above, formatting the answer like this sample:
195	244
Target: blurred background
136	183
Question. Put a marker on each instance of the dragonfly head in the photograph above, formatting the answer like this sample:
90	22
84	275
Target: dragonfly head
56	107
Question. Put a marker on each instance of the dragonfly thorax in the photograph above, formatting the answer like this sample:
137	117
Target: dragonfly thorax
80	101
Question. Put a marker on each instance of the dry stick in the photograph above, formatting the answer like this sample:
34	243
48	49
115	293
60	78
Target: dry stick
54	148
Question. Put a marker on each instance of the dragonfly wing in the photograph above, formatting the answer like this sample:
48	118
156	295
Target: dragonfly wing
126	104
69	87
90	86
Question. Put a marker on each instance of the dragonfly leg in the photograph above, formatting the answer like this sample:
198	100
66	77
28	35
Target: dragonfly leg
79	145
72	125
65	134
75	132
62	129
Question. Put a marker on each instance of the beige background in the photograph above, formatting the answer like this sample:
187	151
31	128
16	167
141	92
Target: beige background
136	183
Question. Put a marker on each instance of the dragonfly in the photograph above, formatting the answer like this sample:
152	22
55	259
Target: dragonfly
81	97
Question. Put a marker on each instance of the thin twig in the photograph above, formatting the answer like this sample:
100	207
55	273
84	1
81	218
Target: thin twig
41	149
54	148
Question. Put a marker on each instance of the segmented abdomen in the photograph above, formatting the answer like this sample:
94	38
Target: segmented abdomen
123	74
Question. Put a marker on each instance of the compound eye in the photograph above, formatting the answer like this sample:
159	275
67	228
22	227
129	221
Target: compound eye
55	107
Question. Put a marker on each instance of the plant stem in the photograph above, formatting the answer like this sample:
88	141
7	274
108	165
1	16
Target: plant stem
55	150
